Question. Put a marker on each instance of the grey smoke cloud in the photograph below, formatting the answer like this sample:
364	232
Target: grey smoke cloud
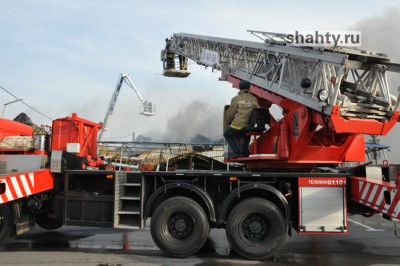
382	34
198	117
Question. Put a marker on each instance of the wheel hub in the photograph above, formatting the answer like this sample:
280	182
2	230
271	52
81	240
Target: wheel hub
180	225
255	228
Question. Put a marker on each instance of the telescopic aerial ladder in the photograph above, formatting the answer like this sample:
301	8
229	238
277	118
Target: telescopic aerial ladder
329	95
149	108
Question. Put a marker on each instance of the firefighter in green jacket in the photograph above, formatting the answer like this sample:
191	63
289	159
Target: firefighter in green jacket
238	115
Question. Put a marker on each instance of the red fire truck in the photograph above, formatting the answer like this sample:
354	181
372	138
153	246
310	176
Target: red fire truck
291	181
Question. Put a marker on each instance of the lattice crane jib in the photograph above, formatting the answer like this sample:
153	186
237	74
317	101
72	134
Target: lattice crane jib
353	79
344	90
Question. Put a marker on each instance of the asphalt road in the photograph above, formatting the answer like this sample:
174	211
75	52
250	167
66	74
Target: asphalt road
371	241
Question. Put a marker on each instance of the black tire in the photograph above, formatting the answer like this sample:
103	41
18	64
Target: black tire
6	224
179	227
256	229
47	223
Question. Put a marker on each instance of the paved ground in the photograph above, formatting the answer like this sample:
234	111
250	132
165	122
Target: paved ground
369	242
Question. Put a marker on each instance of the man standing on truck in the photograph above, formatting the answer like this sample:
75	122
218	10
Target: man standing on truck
237	117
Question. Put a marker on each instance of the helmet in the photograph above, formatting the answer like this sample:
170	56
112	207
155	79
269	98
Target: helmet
244	85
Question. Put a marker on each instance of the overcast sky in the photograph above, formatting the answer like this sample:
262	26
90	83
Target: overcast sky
66	56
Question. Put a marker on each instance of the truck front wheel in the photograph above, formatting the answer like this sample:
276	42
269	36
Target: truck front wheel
256	228
179	227
6	224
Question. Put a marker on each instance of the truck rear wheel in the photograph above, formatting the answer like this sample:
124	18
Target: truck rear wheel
256	228
179	227
6	224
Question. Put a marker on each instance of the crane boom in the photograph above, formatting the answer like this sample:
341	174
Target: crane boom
353	79
329	95
149	108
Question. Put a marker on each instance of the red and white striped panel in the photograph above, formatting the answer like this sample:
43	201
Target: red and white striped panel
21	185
372	195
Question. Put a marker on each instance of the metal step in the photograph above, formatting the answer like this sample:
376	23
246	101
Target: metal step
127	227
128	202
131	184
129	198
129	212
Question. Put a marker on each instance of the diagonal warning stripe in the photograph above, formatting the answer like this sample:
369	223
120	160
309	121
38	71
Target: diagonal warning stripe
25	185
16	187
32	178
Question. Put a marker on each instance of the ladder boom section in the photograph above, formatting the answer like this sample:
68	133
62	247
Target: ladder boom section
111	106
321	78
148	108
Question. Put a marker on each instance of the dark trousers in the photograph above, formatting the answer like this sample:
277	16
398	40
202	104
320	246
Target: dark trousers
231	136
